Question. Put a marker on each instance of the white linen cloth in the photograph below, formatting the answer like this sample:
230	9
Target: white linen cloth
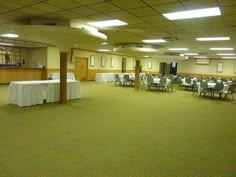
105	77
211	85
56	76
156	80
27	93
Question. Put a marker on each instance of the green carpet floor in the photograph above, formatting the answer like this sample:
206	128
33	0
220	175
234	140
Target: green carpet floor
119	132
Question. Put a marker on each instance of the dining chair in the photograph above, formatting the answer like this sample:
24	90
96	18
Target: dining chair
218	89
195	88
230	91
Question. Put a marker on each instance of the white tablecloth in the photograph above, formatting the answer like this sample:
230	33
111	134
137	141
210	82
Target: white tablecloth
105	77
211	85
27	93
56	76
157	81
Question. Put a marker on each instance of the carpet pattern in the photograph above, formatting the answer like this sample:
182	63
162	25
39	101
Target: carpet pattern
119	132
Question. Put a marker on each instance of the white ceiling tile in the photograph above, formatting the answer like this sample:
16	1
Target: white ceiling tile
25	2
130	4
31	11
159	2
144	11
46	7
231	17
227	2
193	4
121	15
105	7
63	4
88	2
84	11
229	10
154	18
168	8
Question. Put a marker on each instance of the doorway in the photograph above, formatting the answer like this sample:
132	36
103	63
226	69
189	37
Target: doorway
167	69
81	68
173	68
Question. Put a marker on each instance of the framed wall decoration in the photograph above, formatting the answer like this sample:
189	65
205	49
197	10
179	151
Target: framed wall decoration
103	61
219	67
92	60
112	62
149	64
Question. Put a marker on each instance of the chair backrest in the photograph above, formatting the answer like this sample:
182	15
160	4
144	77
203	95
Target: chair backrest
117	78
188	80
204	85
232	88
219	86
163	81
149	79
194	83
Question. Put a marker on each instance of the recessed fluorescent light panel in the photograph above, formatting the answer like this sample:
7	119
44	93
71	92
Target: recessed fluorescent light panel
108	23
221	48
104	50
154	41
200	56
8	44
226	54
177	49
213	39
215	11
192	54
229	57
10	35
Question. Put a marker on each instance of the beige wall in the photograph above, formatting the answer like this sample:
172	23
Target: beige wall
98	60
50	57
53	57
34	56
190	66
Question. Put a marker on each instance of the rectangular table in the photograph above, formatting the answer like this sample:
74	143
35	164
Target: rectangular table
27	93
105	77
56	76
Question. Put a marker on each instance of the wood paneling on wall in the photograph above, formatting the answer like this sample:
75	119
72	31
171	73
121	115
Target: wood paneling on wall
21	74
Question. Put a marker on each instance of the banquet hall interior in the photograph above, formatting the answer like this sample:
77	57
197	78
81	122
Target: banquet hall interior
138	88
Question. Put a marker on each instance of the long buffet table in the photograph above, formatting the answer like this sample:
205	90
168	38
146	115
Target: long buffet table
27	93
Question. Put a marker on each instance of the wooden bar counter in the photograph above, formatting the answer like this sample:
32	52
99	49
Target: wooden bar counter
10	74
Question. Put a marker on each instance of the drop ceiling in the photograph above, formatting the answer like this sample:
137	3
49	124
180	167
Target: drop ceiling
144	18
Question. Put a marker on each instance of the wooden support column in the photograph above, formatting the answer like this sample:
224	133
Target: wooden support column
137	72
63	77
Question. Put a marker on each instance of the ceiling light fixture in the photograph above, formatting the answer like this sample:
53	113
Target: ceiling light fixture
228	57
215	11
154	40
200	56
177	49
7	44
108	23
10	35
221	48
192	54
213	39
103	50
224	54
